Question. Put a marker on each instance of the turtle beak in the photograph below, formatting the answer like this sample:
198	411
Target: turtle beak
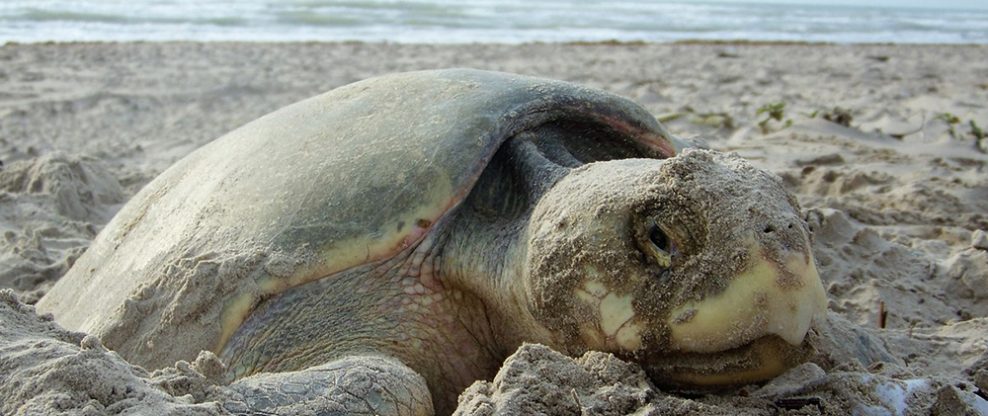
771	303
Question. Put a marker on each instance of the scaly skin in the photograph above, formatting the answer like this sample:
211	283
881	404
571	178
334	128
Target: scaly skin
354	385
399	308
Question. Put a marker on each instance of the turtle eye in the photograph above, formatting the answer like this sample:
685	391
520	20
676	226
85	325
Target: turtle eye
658	238
657	245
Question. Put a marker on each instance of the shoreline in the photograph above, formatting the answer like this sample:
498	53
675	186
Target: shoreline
604	42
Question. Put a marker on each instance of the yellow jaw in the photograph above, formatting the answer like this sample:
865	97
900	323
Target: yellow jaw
770	298
764	359
760	360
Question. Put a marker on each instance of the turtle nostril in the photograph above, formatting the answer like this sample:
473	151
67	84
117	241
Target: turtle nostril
769	229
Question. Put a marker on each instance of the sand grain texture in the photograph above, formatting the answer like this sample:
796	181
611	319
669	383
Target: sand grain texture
881	151
46	370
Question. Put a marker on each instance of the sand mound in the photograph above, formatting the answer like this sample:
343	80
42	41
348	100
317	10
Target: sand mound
46	370
538	380
51	207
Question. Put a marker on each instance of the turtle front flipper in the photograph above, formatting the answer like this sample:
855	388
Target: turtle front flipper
353	385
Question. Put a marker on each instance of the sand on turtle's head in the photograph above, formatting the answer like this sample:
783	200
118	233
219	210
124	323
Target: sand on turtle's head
696	254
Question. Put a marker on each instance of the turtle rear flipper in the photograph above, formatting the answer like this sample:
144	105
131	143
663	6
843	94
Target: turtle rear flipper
353	385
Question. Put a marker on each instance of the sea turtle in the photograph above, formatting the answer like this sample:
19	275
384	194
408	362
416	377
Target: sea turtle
379	247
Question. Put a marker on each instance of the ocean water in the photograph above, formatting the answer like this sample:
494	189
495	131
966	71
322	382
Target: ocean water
509	21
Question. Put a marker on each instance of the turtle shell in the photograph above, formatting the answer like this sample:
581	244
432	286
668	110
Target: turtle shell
339	180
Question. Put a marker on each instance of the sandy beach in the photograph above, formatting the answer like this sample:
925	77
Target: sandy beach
884	146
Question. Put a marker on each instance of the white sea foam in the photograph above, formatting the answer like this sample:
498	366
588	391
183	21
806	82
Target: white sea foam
510	21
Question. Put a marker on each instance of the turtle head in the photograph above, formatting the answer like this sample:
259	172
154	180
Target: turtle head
698	267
